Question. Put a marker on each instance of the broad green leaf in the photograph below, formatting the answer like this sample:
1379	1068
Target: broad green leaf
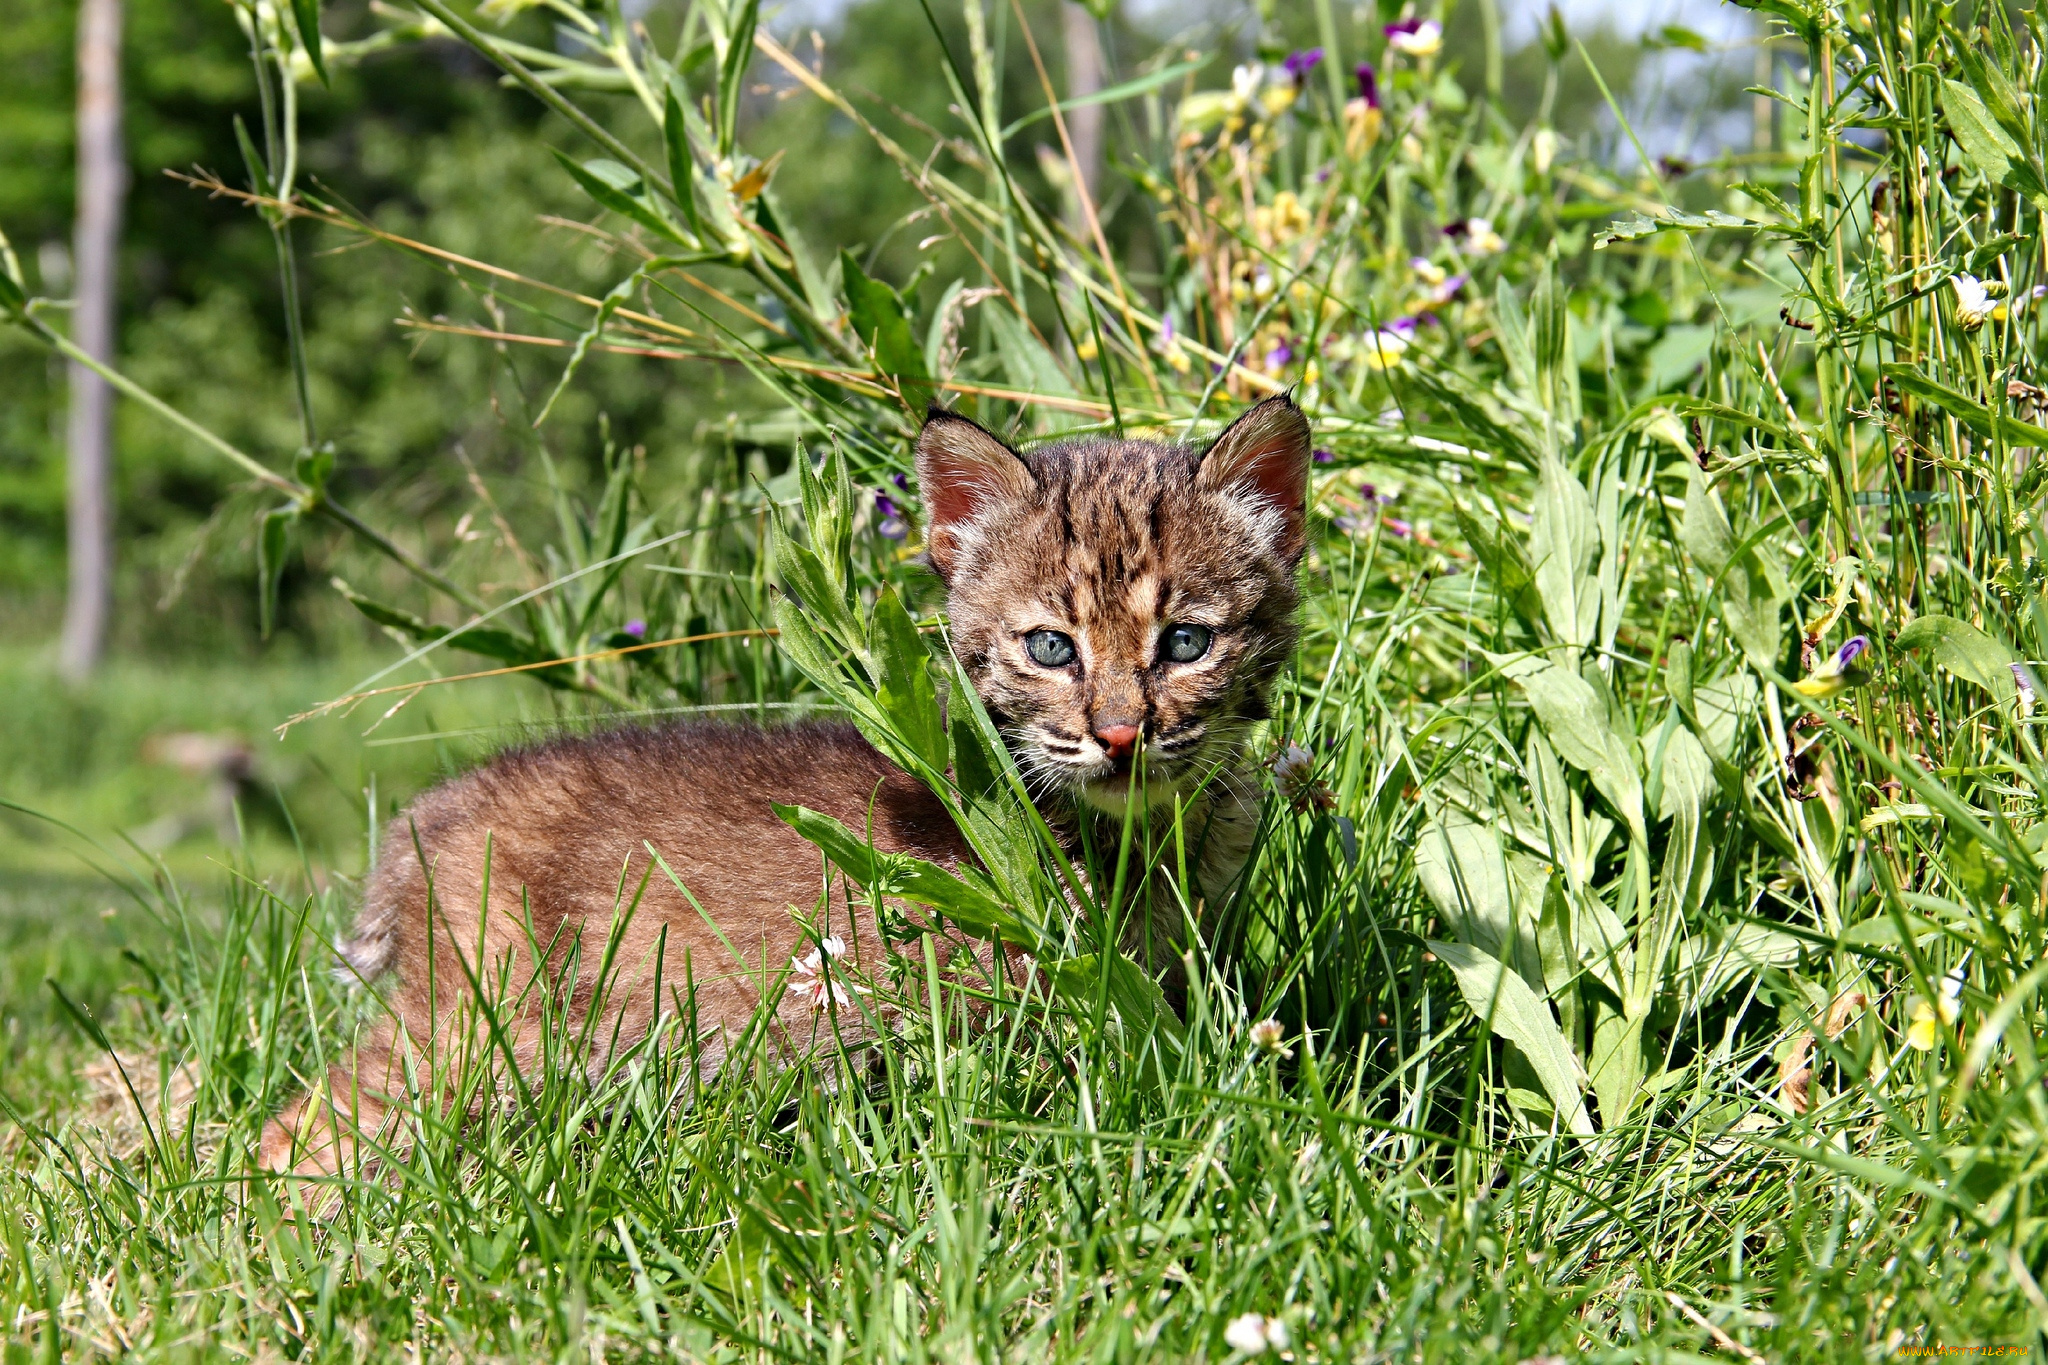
1678	675
618	189
1564	537
1993	90
819	590
273	540
1715	963
1513	1011
1026	360
881	320
306	15
736	54
1469	880
502	645
810	280
1460	867
682	164
1136	996
1511	329
1972	414
1752	594
259	170
1988	145
1687	772
1555	942
911	879
996	818
1575	720
1557	370
1965	651
904	691
1615	1066
827	488
1636	225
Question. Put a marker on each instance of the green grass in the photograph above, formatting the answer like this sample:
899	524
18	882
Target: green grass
1656	976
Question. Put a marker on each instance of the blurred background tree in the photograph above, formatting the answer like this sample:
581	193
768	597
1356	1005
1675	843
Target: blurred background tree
426	142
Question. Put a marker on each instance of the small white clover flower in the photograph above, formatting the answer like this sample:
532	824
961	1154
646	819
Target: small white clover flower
808	979
1269	1038
1255	1334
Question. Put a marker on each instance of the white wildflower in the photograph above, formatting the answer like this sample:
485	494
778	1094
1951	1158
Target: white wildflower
1481	239
1382	350
1950	1005
809	980
1270	1038
1426	39
1255	1334
1973	302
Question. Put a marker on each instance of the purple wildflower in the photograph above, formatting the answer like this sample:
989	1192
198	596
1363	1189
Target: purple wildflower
893	526
1850	651
1411	24
1299	64
901	481
1323	174
1368	492
1397	527
1281	354
636	628
1348	525
1403	328
1368	84
1455	230
1448	290
1323	457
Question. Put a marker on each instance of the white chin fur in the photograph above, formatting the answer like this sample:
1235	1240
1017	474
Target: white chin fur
1111	795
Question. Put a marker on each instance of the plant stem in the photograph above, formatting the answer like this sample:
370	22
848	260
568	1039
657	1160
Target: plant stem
308	500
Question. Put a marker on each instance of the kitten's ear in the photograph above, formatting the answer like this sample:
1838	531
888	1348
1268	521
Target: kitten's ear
1264	456
963	474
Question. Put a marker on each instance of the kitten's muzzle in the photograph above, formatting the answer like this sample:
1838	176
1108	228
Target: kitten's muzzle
1120	741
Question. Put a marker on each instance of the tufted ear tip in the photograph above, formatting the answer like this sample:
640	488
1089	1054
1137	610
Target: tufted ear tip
1264	456
964	471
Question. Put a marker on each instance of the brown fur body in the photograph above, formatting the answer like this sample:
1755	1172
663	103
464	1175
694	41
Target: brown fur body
1109	544
563	832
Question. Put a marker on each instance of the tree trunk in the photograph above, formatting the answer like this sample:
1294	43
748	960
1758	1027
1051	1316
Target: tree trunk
102	181
1084	77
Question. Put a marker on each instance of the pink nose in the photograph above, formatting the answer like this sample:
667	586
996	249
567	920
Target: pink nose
1118	739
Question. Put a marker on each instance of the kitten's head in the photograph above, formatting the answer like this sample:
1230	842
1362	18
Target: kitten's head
1110	596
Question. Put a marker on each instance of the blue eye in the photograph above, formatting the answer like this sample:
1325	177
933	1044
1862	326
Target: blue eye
1049	648
1185	644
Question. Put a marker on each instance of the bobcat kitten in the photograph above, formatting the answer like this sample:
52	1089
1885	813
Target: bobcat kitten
1102	594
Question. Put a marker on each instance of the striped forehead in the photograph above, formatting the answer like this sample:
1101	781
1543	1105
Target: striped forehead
1106	538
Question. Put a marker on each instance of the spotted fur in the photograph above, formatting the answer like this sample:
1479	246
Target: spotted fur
530	857
1112	543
